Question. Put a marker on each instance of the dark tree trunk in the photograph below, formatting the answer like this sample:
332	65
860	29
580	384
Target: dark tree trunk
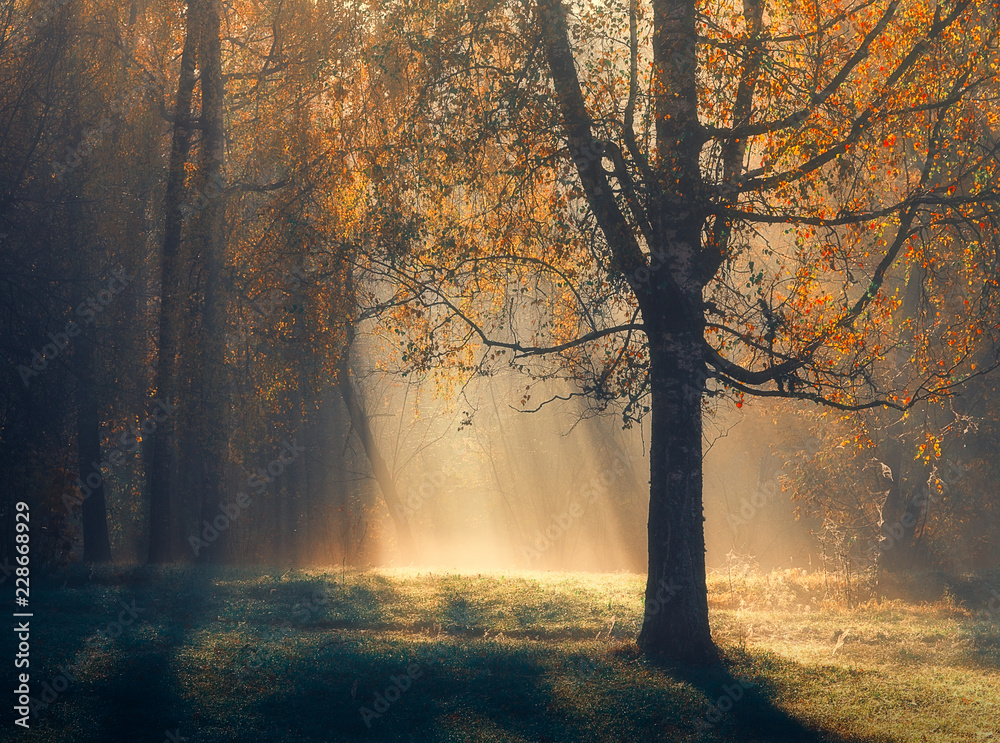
278	526
96	544
675	621
902	511
667	283
212	423
284	542
299	477
892	506
159	473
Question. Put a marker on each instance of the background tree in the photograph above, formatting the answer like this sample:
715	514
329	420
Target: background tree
206	166
70	259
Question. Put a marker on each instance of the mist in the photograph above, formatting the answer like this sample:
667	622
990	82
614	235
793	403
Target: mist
489	483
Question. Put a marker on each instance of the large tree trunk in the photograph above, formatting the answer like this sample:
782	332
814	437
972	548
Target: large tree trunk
675	622
667	284
159	472
96	544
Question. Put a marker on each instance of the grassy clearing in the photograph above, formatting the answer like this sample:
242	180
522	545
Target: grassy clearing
250	655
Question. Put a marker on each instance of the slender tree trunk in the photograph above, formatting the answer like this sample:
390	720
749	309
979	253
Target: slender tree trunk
278	526
892	506
212	423
361	425
96	544
159	474
386	483
902	511
299	478
284	525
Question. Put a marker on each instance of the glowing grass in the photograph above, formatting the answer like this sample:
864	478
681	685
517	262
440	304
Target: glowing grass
253	655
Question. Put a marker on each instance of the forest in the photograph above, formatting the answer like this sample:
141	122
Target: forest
548	370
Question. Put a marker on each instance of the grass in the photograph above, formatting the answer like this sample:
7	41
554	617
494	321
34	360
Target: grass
251	655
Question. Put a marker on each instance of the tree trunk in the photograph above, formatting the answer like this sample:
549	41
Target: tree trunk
901	510
159	474
96	544
299	478
211	454
668	287
901	514
892	506
675	622
386	483
278	547
361	425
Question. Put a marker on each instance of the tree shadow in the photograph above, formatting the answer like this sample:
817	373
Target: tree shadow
125	687
473	689
192	670
983	652
742	708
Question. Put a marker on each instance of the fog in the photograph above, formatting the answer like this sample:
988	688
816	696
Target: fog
488	485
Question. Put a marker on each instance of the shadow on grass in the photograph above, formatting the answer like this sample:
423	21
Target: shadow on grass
315	601
211	662
421	689
741	706
983	651
470	690
117	630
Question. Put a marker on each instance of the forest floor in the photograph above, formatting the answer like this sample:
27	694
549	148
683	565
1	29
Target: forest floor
239	655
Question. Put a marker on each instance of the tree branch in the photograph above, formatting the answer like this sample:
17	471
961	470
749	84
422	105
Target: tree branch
585	150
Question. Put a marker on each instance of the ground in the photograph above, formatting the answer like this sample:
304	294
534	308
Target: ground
210	655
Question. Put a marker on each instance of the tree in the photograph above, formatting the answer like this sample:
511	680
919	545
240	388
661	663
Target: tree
748	187
361	424
159	472
63	131
261	96
243	192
